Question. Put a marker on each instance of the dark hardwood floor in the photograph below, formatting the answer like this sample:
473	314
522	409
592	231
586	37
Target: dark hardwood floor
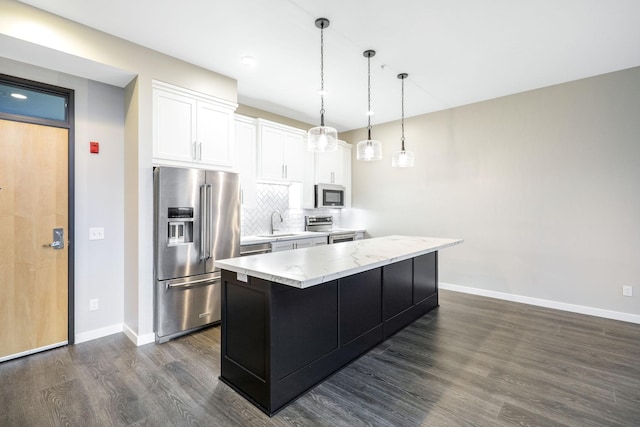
472	361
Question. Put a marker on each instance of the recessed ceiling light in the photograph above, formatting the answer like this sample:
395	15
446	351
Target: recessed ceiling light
18	96
249	61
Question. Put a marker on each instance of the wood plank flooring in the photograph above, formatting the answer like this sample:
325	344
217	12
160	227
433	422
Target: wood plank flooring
473	361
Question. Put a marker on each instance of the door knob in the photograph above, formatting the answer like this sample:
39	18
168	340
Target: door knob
58	239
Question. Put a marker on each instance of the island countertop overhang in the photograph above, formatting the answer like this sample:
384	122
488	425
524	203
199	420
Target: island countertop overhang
303	268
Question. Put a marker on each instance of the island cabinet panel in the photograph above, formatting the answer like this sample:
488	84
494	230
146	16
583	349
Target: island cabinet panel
304	325
409	290
360	304
246	332
398	288
425	280
278	341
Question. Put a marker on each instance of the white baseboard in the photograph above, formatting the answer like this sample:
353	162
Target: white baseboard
98	333
138	340
598	312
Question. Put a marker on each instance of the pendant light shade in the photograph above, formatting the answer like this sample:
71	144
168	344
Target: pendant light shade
402	158
369	149
322	138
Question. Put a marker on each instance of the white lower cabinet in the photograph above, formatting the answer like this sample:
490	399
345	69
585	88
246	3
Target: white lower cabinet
286	245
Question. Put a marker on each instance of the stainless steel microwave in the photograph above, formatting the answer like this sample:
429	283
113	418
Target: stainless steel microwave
329	196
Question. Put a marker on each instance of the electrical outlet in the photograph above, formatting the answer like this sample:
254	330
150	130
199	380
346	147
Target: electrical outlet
627	291
93	304
96	233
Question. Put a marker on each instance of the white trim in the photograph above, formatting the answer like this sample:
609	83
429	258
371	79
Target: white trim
138	340
591	311
35	350
98	333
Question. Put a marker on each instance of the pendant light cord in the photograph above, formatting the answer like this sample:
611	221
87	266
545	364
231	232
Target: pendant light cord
369	95
322	74
402	113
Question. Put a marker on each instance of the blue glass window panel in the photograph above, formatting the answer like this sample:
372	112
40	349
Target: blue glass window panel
36	104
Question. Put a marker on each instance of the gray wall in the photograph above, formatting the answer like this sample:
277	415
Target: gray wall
65	46
99	197
544	187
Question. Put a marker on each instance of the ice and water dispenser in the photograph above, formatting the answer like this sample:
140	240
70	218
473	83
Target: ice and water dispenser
180	226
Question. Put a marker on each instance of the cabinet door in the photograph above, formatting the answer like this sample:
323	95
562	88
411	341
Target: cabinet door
293	156
346	173
246	145
397	282
215	136
282	246
329	167
270	166
174	129
303	243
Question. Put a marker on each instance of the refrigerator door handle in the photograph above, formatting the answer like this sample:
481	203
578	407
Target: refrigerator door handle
208	220
203	222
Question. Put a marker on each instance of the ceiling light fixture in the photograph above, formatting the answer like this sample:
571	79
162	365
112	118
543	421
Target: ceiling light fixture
402	158
18	96
249	61
369	149
322	138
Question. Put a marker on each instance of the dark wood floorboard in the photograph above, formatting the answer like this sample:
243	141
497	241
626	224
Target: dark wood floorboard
474	361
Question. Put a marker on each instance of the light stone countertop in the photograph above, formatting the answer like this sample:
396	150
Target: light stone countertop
302	268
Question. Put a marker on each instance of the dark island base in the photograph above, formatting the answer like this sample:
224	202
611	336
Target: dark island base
279	341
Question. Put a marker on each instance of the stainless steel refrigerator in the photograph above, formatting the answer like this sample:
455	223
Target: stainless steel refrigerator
197	220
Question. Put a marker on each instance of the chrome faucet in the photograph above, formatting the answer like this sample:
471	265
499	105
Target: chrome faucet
273	227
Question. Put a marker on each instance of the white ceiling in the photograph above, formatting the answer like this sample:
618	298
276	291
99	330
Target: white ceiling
456	52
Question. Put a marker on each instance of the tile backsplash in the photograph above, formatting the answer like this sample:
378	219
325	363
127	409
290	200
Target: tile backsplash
275	197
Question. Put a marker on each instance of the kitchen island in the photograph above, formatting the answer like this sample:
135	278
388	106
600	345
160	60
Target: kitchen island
291	319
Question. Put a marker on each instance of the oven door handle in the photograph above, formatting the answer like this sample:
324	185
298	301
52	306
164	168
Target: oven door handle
347	237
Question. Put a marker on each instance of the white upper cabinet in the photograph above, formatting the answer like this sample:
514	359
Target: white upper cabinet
192	129
280	152
334	167
246	134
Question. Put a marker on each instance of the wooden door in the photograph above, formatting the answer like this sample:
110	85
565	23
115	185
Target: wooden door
33	201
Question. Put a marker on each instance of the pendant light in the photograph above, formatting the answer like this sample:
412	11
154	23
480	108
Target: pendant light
402	158
322	138
369	149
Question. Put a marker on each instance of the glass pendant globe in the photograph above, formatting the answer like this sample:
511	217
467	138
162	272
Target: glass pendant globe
322	139
402	159
369	150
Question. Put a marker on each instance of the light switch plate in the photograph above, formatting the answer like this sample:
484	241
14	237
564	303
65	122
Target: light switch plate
96	233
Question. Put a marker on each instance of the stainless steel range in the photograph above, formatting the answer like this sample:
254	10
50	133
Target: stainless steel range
324	223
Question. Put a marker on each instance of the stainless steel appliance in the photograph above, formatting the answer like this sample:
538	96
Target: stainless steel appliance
329	196
325	223
197	220
339	237
255	249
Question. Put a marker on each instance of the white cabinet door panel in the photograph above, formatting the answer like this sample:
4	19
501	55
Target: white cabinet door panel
174	131
215	135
